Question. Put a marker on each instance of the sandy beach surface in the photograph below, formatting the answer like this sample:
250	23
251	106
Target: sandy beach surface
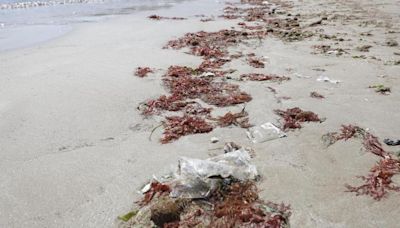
75	149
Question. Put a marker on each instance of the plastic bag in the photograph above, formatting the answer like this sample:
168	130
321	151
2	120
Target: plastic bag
196	178
265	132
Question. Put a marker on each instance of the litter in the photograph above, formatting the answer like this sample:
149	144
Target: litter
214	140
127	216
196	178
326	79
301	76
381	89
390	142
265	132
217	192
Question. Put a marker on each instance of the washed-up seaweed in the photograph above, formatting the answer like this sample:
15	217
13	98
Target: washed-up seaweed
232	204
219	40
238	205
238	119
157	189
143	71
294	116
255	62
164	103
316	95
263	77
157	17
176	127
379	180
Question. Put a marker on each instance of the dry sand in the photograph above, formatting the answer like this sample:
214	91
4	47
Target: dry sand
74	148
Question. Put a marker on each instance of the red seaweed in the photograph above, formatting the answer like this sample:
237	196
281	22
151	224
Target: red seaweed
143	71
379	181
156	189
238	119
176	127
294	116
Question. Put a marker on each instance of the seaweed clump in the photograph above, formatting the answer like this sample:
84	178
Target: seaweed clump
176	127
293	117
379	180
232	204
157	18
263	77
316	95
238	119
143	71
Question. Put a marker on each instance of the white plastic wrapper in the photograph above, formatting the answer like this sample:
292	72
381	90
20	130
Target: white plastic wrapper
196	178
265	132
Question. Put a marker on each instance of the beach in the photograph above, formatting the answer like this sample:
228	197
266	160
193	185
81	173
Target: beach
75	149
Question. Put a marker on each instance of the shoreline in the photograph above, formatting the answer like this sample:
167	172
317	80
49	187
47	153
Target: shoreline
75	149
13	32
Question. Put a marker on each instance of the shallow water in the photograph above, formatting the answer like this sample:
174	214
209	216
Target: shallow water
23	23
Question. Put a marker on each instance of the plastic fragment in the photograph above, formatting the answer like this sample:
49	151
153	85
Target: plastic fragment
264	132
326	79
127	216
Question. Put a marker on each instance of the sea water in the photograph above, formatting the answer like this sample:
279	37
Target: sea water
23	23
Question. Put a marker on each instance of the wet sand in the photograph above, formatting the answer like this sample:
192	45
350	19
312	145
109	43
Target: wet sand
75	149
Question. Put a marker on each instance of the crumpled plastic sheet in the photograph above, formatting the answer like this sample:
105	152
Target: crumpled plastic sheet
196	178
265	132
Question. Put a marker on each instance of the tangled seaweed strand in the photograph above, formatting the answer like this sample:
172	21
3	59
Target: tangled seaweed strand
316	95
143	71
170	103
263	77
181	82
238	205
156	17
294	116
255	62
238	119
176	127
156	189
235	205
379	180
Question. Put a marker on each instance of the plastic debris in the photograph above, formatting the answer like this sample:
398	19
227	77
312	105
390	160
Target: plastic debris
196	178
390	142
265	132
217	192
326	79
214	140
127	216
381	89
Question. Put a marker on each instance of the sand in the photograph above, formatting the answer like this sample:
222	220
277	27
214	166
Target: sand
75	150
